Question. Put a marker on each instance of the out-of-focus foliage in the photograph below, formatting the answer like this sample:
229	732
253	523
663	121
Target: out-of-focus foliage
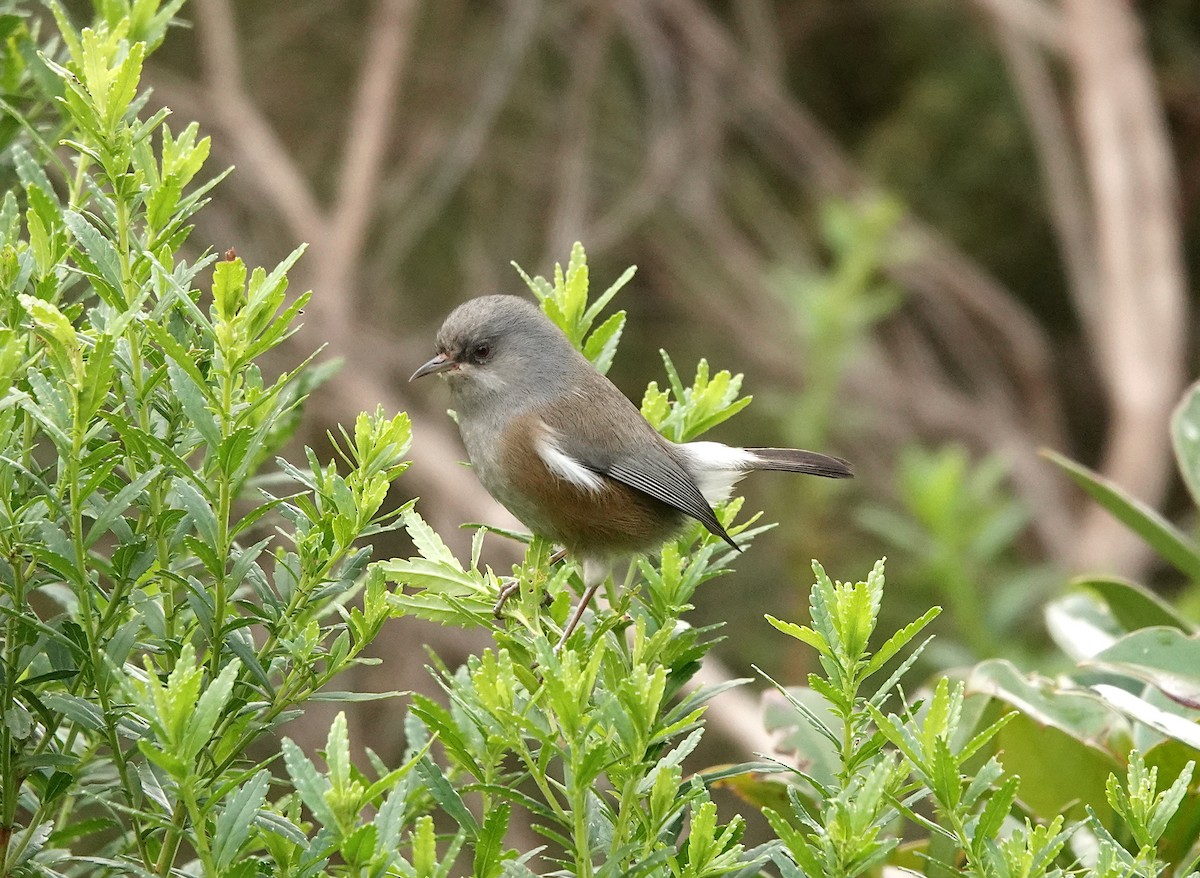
955	530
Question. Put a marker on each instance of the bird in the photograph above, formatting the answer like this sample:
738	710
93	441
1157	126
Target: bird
569	455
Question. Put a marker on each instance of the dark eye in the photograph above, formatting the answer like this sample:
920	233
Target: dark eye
481	352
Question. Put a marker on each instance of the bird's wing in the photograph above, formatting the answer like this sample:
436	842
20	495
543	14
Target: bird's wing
664	479
626	449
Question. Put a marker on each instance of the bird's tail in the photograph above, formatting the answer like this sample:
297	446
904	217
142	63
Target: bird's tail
795	460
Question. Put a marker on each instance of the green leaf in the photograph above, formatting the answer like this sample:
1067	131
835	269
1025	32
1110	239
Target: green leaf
601	346
311	786
424	848
802	633
192	399
806	726
427	541
199	510
1159	534
1081	625
539	286
489	846
239	451
1133	606
1170	801
604	298
234	825
99	249
118	504
342	697
1170	724
1058	772
446	796
1164	657
58	332
208	710
1077	712
337	754
229	287
358	848
899	640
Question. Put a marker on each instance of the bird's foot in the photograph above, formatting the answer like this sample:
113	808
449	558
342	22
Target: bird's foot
514	585
507	590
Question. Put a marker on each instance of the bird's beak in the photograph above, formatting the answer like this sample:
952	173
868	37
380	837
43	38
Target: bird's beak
440	363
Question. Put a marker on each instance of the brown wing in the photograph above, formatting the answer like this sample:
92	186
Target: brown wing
616	442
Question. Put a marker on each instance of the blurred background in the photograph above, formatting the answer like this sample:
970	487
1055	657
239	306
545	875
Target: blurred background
936	236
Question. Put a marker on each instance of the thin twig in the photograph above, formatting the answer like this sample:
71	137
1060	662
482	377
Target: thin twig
408	221
368	129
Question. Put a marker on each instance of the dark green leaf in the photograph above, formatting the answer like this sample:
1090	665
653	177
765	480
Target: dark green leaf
446	796
1185	435
118	504
237	819
1133	605
1158	533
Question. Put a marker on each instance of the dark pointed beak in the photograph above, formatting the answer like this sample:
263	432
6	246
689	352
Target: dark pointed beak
440	363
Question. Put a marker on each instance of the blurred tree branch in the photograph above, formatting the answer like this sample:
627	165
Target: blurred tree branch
1032	19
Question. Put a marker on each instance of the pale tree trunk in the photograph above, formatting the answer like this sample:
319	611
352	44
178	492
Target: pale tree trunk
1139	322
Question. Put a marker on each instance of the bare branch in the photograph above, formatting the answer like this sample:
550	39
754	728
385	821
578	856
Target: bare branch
1009	360
414	214
571	204
389	34
1067	195
264	160
664	154
933	268
735	713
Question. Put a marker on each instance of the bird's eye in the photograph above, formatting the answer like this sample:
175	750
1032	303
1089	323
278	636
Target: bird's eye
481	352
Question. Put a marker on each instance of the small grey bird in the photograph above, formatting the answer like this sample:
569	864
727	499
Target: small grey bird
569	455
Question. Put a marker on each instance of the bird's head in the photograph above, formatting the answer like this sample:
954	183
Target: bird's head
501	349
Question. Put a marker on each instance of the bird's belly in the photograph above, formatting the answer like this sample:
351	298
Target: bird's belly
611	521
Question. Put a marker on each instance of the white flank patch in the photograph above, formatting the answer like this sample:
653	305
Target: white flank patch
563	465
716	467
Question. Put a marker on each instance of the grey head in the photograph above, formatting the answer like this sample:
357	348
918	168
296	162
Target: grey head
502	351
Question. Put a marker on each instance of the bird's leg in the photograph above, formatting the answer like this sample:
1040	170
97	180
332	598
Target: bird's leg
513	587
594	574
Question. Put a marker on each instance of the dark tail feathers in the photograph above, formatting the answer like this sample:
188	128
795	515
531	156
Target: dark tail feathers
794	460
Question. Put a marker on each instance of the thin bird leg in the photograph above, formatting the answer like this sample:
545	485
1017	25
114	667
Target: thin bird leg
594	574
513	587
573	622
